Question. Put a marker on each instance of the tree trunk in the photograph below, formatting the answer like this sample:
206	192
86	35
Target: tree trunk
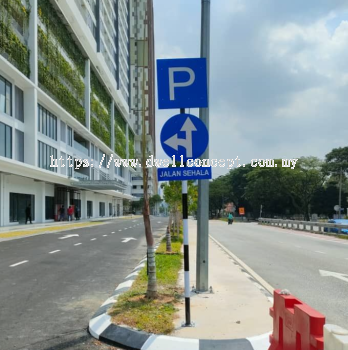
151	256
169	240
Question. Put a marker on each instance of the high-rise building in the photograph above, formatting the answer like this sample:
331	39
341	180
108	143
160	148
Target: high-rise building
64	93
142	58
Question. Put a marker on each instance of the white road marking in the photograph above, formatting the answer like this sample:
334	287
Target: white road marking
112	232
340	276
55	251
130	227
126	240
105	235
93	239
125	228
319	252
69	236
159	222
77	244
20	263
119	230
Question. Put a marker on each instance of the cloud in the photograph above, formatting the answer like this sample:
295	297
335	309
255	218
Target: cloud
279	74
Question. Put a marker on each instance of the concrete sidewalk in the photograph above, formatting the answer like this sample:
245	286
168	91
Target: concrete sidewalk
239	305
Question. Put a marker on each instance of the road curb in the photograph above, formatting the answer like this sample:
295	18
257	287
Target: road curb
101	328
247	269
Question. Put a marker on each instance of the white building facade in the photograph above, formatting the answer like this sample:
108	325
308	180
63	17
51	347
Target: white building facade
65	93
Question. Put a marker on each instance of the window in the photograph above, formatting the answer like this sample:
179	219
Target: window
49	208
45	153
19	139
63	161
135	187
68	163
5	96
5	141
19	105
89	209
18	204
101	209
70	136
101	155
47	123
110	209
62	131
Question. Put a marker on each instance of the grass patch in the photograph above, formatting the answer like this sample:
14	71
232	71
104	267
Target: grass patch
153	315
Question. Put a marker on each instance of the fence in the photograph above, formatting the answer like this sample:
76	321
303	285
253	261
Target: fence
303	225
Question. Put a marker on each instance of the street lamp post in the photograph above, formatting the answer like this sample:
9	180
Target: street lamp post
202	280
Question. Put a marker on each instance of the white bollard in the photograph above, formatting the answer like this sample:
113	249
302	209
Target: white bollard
335	338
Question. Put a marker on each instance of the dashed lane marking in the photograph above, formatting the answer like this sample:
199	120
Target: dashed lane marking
55	251
319	252
77	244
20	263
105	235
93	239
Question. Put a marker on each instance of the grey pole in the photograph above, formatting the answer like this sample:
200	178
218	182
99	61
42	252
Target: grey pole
340	195
203	185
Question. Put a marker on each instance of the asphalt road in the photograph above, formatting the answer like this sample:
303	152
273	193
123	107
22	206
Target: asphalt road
292	260
50	287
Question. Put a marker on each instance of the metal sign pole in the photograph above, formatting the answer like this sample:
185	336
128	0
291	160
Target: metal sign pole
186	249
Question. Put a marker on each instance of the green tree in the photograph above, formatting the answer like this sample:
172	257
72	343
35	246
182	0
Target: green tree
154	200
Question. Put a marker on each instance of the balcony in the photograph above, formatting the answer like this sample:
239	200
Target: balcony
81	148
80	176
80	144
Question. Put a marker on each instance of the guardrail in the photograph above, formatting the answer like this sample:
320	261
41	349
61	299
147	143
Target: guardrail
309	226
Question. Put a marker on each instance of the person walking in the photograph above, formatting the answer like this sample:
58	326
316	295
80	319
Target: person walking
70	213
28	214
61	212
230	219
77	210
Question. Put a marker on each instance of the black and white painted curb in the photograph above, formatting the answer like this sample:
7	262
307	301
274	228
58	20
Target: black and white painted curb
101	327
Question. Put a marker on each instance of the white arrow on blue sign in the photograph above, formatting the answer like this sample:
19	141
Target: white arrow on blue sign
184	135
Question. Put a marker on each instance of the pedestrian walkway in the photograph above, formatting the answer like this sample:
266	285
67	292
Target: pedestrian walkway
19	231
238	306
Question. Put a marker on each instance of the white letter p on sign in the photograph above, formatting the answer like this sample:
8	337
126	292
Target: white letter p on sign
173	84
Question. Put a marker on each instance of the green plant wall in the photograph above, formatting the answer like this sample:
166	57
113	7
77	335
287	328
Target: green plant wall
100	110
131	145
120	135
61	63
11	46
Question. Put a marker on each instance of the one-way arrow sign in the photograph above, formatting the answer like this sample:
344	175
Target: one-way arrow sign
184	135
126	240
340	276
69	236
174	142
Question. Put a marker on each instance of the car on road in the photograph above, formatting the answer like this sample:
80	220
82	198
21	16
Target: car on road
334	229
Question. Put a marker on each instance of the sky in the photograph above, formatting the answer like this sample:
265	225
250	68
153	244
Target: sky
278	74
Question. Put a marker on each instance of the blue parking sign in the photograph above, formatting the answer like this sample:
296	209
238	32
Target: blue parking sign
182	83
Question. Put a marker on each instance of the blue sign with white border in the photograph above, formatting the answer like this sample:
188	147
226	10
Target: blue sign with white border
184	135
183	174
182	83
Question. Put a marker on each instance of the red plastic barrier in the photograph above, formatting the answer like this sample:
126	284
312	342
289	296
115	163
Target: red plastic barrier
296	326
